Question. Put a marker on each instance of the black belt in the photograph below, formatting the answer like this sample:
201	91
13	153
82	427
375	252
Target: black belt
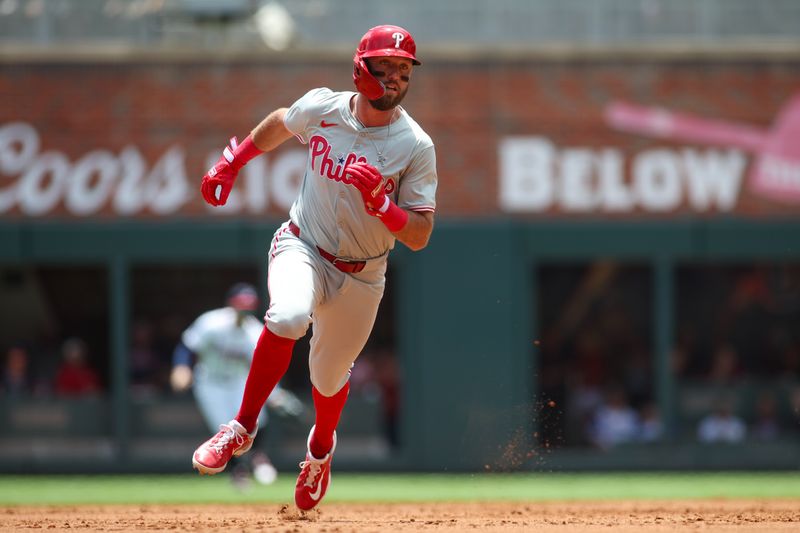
349	267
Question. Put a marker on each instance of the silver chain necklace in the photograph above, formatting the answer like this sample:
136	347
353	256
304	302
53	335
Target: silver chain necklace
381	159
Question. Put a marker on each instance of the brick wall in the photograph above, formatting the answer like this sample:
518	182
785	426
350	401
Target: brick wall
148	108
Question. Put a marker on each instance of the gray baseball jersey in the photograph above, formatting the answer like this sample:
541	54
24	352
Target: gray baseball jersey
223	349
331	213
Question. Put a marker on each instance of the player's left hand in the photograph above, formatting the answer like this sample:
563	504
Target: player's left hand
221	176
369	181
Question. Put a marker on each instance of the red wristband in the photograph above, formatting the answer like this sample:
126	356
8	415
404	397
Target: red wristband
393	218
246	151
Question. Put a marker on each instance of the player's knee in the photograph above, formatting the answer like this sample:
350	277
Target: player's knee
291	325
328	386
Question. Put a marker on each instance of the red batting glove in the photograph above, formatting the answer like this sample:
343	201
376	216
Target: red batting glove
218	181
369	182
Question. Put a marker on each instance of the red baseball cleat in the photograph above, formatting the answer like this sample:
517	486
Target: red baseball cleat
213	455
314	478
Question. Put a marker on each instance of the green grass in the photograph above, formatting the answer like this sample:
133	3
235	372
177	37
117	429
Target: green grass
176	489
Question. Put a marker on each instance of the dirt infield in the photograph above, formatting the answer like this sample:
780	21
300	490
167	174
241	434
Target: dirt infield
630	516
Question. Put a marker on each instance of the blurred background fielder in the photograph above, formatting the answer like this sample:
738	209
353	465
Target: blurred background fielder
214	357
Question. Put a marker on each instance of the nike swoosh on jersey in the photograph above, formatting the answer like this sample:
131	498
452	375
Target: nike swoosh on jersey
328	124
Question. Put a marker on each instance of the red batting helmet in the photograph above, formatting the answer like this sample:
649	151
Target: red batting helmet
380	41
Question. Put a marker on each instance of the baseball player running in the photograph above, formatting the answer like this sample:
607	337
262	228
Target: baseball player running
370	179
213	357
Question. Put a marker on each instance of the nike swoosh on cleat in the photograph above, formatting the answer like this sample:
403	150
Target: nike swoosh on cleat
328	124
317	493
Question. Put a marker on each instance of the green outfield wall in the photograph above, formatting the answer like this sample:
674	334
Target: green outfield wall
466	325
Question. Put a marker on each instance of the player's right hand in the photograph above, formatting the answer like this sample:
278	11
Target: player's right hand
218	181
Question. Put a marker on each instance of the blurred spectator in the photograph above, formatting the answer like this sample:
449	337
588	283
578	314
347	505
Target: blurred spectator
362	376
615	421
17	381
766	426
75	377
686	360
725	366
651	427
752	289
721	425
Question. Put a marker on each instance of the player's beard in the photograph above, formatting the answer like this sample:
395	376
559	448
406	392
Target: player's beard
387	101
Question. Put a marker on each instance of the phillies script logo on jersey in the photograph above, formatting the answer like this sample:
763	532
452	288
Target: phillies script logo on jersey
328	167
